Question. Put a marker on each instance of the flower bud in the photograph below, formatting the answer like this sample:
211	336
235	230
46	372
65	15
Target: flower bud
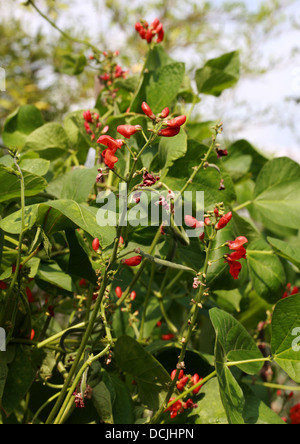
148	111
224	221
96	244
133	261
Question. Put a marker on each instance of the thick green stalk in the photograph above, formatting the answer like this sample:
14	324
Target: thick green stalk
88	331
191	324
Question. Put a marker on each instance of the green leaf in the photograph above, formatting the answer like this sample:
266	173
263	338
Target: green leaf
218	74
286	336
74	185
10	186
171	149
52	273
210	409
49	141
163	86
20	377
20	124
151	377
102	401
79	262
13	223
39	167
80	214
165	263
286	250
235	341
207	181
239	153
122	405
266	271
276	195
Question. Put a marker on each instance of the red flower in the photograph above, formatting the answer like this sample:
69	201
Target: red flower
176	408
289	291
133	261
182	383
111	143
295	414
30	298
132	295
173	374
87	115
119	292
194	380
176	122
192	222
148	111
96	244
128	130
235	268
169	132
164	114
3	285
82	283
167	337
238	243
109	158
224	221
237	255
148	32
232	259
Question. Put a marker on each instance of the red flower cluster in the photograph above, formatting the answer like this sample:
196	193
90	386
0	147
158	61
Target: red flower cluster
183	380
295	414
179	406
173	127
239	253
148	32
117	73
93	124
112	146
290	291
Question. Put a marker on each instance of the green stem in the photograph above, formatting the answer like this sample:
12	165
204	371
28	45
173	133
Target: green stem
88	331
192	321
249	361
197	169
244	205
141	333
139	272
191	389
76	381
292	388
